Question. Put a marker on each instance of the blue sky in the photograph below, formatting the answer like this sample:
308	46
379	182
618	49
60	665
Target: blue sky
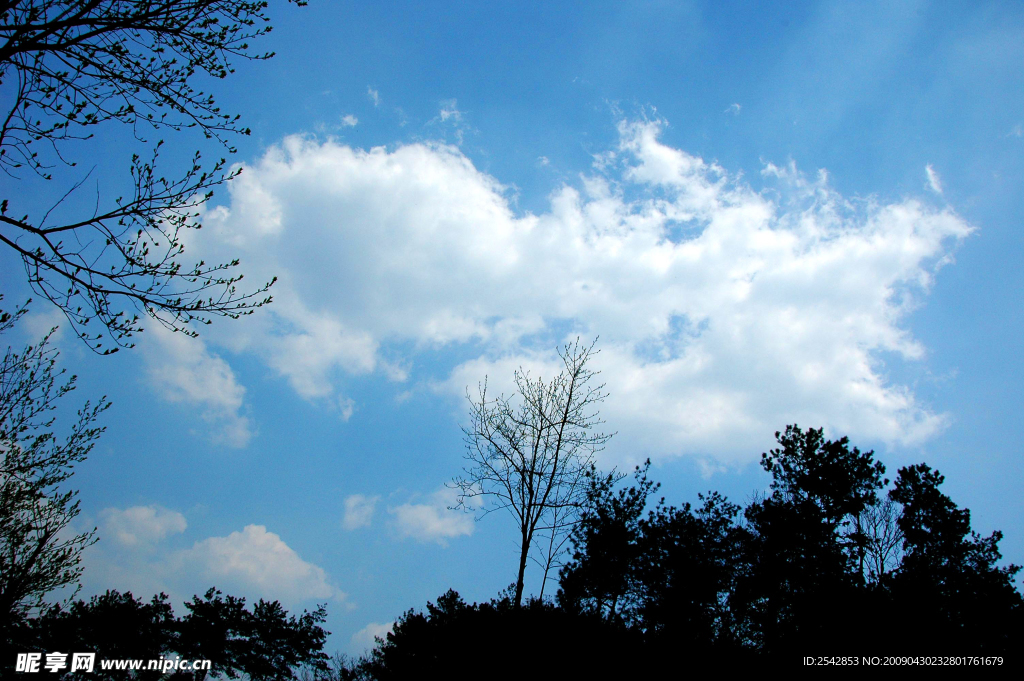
768	216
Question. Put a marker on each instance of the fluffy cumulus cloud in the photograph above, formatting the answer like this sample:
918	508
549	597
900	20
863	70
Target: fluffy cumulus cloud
253	562
257	558
724	312
432	521
141	525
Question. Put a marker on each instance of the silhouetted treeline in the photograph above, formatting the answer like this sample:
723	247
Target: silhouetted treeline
822	564
833	560
261	642
497	640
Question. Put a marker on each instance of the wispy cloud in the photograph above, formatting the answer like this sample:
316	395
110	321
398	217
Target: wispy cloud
733	109
349	121
358	511
934	183
39	322
347	407
182	369
450	110
374	96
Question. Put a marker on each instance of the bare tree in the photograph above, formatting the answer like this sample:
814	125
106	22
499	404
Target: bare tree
69	65
883	539
530	453
552	538
39	551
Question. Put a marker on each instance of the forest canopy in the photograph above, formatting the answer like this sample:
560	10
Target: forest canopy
834	560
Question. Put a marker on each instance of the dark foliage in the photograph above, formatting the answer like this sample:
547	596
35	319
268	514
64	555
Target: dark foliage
802	565
500	640
39	550
113	625
810	470
819	565
262	642
949	585
689	568
602	578
650	588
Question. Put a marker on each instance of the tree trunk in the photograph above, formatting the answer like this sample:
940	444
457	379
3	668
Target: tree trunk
523	553
547	563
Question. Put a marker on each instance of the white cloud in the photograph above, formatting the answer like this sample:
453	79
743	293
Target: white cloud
358	511
136	553
183	370
432	521
374	96
350	121
450	116
347	407
450	109
365	638
141	525
934	183
724	312
37	324
259	560
733	109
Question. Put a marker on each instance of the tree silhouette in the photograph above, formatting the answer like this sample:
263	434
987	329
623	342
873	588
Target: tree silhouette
262	643
499	639
39	552
949	587
808	469
602	576
210	631
804	555
669	574
883	539
113	625
70	65
652	587
691	560
530	454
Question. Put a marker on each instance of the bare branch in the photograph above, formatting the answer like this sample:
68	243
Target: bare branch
530	453
73	64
